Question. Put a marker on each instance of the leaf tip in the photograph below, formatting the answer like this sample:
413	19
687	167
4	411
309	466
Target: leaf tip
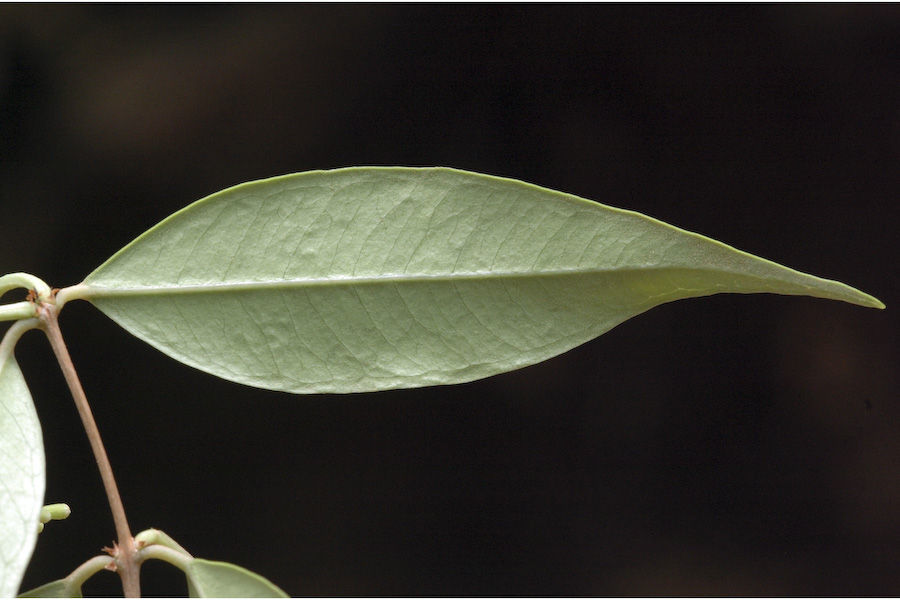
863	299
876	303
867	301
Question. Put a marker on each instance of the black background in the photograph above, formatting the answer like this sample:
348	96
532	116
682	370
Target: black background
726	445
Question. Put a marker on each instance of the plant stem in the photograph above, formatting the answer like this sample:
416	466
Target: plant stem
173	557
126	559
23	280
85	571
155	537
17	311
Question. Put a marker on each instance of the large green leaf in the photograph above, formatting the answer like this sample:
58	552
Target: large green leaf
211	579
21	471
374	278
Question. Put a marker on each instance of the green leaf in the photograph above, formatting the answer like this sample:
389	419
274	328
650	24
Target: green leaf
55	589
21	470
210	579
374	278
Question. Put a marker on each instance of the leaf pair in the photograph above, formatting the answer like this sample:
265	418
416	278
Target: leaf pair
206	579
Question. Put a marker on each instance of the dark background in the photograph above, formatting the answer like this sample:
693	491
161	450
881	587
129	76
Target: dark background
726	445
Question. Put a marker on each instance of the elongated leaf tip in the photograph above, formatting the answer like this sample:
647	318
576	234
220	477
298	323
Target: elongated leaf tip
861	298
865	300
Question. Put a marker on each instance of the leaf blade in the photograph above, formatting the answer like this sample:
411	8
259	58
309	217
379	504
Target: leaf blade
21	471
213	579
375	278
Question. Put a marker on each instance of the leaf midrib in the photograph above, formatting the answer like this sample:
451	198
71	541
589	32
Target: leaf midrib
92	290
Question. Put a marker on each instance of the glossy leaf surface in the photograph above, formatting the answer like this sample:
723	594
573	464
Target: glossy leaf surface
21	474
211	579
374	278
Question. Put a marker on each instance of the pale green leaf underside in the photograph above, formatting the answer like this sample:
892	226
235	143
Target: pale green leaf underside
21	474
210	579
374	278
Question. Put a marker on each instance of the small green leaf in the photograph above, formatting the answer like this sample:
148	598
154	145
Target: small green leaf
21	470
210	579
374	278
55	589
